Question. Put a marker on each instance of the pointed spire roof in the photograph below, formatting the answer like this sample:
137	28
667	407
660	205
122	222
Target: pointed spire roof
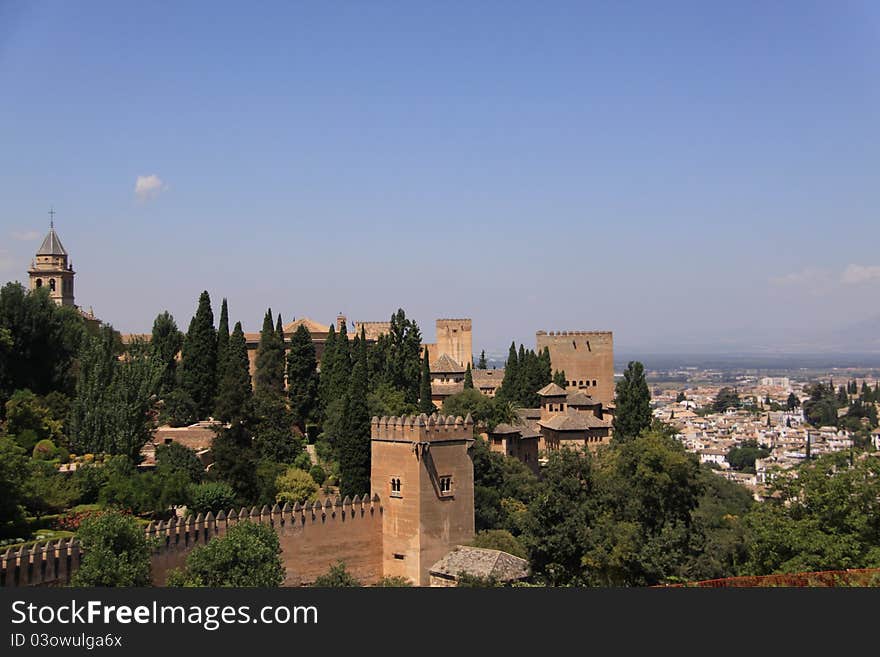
51	244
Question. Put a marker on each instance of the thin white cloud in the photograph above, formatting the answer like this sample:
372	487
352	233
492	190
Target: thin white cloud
27	235
855	274
808	275
147	187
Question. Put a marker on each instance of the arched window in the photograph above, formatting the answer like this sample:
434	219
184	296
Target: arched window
39	282
52	284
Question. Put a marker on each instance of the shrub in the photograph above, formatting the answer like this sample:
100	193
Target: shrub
500	539
296	485
115	552
336	577
393	582
214	496
45	450
324	450
248	555
317	473
303	461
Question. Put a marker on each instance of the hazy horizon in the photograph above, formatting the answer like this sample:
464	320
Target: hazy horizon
684	175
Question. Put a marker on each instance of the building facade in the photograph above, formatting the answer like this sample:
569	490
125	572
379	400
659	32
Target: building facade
586	357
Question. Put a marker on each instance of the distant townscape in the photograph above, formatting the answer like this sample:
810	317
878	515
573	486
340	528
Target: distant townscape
355	453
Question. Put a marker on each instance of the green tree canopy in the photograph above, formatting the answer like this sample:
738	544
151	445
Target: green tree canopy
235	396
248	555
165	344
39	341
115	552
296	485
114	407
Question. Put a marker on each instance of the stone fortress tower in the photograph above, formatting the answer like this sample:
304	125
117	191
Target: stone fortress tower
51	269
455	339
424	475
586	357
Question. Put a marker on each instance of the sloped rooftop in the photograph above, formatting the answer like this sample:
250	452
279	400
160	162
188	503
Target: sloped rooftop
481	562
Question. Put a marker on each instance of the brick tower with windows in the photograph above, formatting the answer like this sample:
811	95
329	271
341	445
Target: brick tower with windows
422	471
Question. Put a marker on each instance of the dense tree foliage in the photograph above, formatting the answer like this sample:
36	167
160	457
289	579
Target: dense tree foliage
39	341
744	457
821	408
827	517
165	344
395	360
113	409
115	552
29	421
726	398
525	373
13	478
248	555
302	378
213	496
235	395
175	457
486	412
235	461
295	485
269	365
273	432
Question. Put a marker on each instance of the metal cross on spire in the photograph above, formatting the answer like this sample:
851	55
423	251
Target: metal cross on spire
51	217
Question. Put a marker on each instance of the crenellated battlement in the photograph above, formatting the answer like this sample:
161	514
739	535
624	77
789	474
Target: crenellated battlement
54	562
422	428
570	333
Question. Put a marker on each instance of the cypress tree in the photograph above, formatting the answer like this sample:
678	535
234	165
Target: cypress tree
354	448
279	329
425	403
337	372
509	384
302	377
222	340
269	376
273	434
468	378
560	379
481	365
633	403
199	358
235	395
327	357
165	345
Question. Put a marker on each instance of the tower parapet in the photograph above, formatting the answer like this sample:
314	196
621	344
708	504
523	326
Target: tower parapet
422	470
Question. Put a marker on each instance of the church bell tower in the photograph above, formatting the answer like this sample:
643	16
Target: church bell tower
50	268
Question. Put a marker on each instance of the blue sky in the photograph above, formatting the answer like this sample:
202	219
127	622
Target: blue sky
681	173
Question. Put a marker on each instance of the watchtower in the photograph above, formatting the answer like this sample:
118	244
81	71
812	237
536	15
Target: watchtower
422	471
